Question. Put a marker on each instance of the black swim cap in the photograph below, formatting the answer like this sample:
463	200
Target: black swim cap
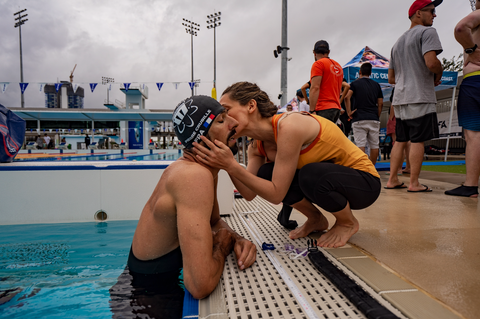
193	116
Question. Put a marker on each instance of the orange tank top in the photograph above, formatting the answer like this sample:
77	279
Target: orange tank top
330	145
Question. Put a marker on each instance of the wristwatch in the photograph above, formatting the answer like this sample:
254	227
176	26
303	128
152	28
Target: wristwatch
471	50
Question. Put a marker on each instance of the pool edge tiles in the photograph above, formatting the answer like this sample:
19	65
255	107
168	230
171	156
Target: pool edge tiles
83	165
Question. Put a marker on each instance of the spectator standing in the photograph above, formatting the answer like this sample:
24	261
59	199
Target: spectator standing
326	81
46	139
416	70
39	142
467	33
87	140
306	93
391	132
344	118
302	105
367	100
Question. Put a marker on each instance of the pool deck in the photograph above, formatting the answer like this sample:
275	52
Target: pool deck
430	240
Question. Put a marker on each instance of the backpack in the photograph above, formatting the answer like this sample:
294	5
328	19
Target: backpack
12	134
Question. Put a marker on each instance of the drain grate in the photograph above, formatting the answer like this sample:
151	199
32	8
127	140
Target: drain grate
260	291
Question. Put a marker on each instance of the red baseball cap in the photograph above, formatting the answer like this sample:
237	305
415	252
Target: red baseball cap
420	4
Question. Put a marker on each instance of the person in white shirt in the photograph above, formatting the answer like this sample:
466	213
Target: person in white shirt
302	105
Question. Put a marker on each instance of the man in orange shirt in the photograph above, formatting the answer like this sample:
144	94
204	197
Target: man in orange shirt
326	82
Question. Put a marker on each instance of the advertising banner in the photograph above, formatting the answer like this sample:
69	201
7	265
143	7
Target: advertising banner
135	134
444	121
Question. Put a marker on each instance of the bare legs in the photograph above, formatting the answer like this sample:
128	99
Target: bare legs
315	222
396	158
472	157
407	169
472	161
345	225
417	151
373	154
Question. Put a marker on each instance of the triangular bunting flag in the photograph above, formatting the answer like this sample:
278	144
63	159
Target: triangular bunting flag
192	84
176	84
159	86
3	86
93	86
109	86
23	86
127	85
75	87
41	86
57	86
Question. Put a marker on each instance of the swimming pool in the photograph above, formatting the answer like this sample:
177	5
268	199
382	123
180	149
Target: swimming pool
61	270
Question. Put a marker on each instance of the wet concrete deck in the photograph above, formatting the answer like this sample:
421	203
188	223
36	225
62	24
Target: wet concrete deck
429	239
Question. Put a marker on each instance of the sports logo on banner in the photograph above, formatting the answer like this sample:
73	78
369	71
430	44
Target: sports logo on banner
23	87
127	85
192	84
93	86
57	86
159	86
3	86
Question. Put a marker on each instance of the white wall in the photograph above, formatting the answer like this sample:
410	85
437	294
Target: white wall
75	195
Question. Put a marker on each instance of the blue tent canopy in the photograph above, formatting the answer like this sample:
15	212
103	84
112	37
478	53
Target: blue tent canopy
380	71
380	75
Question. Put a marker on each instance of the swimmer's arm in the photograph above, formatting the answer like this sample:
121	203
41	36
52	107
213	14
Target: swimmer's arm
315	92
391	76
245	250
203	253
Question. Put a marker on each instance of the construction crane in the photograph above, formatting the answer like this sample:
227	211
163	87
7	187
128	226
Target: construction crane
71	74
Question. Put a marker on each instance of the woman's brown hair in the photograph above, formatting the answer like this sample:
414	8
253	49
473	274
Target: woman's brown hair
244	92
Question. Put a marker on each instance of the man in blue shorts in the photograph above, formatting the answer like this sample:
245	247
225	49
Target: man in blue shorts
416	70
467	33
180	240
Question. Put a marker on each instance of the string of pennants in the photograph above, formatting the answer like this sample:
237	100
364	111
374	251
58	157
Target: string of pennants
75	86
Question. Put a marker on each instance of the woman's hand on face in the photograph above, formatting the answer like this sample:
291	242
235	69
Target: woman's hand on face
218	156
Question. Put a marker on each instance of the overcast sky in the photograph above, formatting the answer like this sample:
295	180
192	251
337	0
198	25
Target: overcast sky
143	41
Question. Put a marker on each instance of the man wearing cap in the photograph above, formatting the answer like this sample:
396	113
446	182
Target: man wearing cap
467	33
326	81
415	70
180	237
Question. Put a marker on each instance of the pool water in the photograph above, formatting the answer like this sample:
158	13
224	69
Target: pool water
61	270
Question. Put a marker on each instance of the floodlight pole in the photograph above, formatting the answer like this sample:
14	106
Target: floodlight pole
19	25
191	28
284	58
213	23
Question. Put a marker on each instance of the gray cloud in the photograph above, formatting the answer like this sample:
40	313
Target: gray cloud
144	41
